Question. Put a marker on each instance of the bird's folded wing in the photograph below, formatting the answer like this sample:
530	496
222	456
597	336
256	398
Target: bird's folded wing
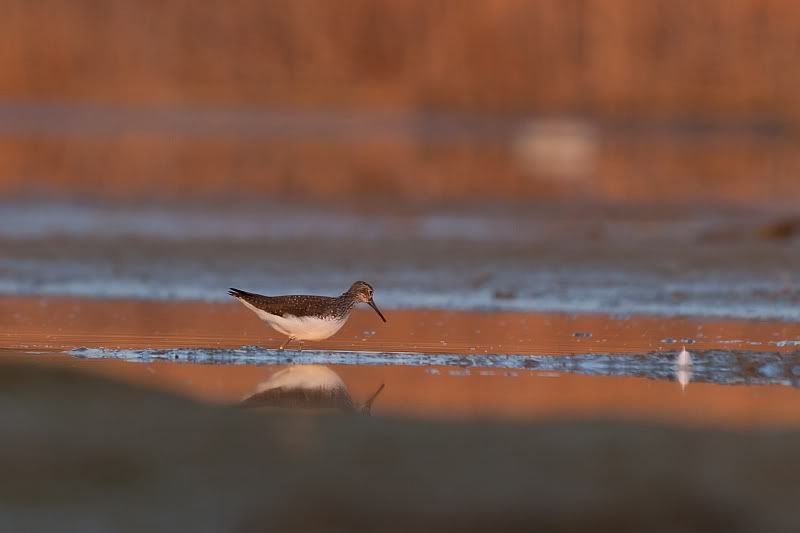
298	306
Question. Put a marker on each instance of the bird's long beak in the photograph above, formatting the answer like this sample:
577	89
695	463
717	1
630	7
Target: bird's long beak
375	307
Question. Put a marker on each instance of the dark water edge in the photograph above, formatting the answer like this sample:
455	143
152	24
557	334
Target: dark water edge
85	453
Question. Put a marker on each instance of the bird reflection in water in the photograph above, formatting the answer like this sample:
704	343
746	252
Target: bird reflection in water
683	368
308	388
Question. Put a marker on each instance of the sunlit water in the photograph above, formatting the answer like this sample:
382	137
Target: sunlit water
431	363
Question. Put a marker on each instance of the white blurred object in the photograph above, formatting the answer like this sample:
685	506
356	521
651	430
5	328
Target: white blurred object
557	148
683	368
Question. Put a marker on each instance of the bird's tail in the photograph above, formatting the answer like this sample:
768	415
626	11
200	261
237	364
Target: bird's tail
236	293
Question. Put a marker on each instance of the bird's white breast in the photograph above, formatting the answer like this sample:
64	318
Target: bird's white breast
304	377
301	328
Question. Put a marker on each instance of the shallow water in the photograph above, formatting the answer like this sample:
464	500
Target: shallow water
442	387
434	363
713	366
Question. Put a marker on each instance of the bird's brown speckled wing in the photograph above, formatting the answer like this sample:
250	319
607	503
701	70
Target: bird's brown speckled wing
300	305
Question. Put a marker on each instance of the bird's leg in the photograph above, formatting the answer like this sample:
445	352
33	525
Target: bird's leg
301	347
290	339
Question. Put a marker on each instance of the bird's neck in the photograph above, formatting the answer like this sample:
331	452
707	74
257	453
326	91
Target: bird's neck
347	302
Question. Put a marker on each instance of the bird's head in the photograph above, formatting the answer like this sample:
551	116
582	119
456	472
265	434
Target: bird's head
362	292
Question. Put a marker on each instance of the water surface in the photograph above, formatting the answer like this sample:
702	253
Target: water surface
435	364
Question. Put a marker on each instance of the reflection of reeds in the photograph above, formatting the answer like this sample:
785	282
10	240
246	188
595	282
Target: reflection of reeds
626	56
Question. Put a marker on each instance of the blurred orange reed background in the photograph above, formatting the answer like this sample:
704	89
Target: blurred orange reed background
618	100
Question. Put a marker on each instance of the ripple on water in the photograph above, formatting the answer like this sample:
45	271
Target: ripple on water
711	366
